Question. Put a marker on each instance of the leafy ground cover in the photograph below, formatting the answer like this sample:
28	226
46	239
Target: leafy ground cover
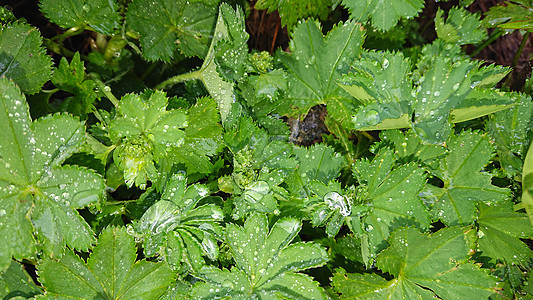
151	150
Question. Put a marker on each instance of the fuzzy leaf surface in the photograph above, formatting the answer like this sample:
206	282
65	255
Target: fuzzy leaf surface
424	266
465	183
22	58
315	63
101	15
384	13
265	263
31	176
167	26
111	272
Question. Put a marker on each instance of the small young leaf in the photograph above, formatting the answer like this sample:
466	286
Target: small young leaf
101	15
464	182
461	27
22	58
423	267
384	14
33	184
291	12
266	265
110	273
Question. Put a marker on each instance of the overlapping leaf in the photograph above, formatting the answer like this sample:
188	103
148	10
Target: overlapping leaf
424	267
267	265
111	272
22	58
500	230
314	65
37	195
166	26
15	282
461	27
386	199
384	13
145	132
465	183
179	229
445	93
100	15
291	12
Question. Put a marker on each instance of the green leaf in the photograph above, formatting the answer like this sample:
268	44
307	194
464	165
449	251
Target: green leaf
527	183
37	194
179	229
145	132
22	58
461	27
384	14
291	12
15	282
500	230
316	62
100	15
509	129
423	266
111	272
388	199
505	16
445	93
203	137
465	183
71	78
266	265
166	26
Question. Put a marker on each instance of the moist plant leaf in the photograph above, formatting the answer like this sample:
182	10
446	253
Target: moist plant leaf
387	199
203	137
31	176
15	281
315	63
266	265
527	183
424	266
500	230
111	272
178	229
384	13
461	27
145	132
445	93
71	78
291	12
166	26
509	14
22	58
509	129
100	15
465	183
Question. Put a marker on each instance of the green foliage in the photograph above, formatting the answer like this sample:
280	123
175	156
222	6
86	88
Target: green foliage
422	188
22	58
111	272
165	27
100	15
384	14
423	266
267	265
38	196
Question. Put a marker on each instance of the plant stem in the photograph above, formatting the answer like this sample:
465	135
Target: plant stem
495	34
180	78
520	49
104	88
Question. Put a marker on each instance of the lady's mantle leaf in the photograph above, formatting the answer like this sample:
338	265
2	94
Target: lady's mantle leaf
424	267
387	199
145	132
22	58
15	281
464	181
499	232
316	62
179	229
291	12
101	15
384	13
266	264
527	183
31	176
167	25
461	27
110	273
